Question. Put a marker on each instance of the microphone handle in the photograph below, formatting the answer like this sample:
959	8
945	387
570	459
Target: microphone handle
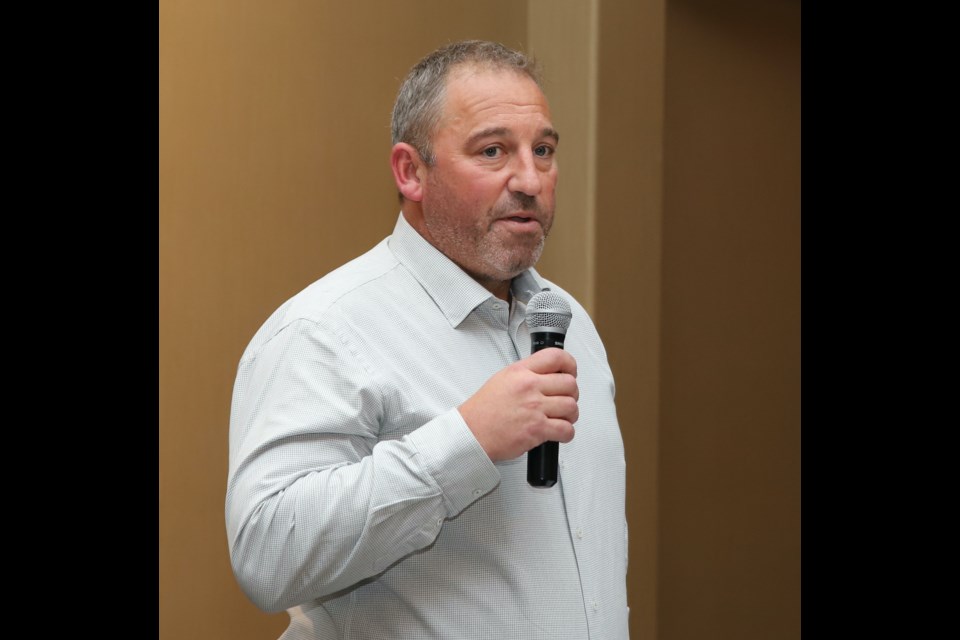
542	459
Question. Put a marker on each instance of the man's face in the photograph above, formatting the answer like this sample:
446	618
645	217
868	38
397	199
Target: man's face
488	201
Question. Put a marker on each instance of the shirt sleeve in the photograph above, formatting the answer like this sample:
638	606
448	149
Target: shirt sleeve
316	502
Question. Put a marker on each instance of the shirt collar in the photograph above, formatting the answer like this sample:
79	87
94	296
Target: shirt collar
455	293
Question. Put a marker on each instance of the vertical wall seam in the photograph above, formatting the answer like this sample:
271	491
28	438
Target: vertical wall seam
592	101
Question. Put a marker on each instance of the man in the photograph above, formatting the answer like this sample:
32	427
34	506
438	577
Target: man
381	417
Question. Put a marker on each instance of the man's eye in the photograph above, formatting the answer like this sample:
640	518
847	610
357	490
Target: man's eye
543	151
491	152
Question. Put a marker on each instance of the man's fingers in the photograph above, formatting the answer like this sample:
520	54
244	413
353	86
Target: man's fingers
562	407
559	384
551	360
562	430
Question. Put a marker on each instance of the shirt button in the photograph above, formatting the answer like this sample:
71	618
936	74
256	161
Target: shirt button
478	492
439	522
496	305
579	532
596	605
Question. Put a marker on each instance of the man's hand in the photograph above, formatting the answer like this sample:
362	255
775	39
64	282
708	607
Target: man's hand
525	404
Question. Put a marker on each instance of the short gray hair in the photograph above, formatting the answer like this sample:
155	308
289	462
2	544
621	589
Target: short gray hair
420	99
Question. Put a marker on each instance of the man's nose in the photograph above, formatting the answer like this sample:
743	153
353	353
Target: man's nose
525	177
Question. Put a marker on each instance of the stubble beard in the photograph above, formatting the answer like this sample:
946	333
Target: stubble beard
485	251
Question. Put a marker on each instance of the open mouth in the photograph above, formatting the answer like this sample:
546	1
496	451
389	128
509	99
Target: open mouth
520	223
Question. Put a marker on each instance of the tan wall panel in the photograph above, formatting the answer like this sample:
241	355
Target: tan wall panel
627	297
730	410
274	168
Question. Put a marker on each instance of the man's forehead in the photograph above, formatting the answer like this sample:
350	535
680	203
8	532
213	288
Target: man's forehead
505	132
464	96
470	71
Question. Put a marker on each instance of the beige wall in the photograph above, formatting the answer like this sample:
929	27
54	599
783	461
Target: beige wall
678	226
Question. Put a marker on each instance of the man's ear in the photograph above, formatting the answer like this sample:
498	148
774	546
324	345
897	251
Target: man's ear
407	164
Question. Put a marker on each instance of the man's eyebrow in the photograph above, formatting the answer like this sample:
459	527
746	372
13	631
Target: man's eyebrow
550	133
546	132
487	133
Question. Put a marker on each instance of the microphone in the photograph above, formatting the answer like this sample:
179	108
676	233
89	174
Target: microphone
548	316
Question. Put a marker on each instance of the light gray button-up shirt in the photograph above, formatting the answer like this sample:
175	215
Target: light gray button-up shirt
359	500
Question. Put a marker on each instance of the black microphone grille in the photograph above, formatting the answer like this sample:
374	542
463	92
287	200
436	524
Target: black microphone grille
548	311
